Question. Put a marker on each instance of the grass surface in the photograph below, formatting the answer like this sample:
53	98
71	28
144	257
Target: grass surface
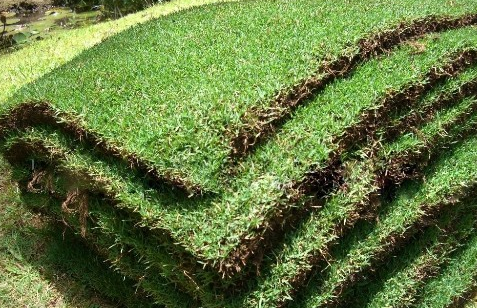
397	283
317	232
458	278
30	63
61	278
180	104
444	183
178	96
292	261
276	164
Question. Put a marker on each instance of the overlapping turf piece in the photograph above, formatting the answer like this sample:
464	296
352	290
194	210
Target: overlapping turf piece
309	244
398	281
124	233
120	255
457	281
185	86
123	188
451	179
251	207
305	144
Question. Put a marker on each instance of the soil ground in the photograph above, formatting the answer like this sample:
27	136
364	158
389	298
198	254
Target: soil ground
6	5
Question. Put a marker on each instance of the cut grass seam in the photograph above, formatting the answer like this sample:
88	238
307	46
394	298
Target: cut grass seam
261	123
320	183
41	113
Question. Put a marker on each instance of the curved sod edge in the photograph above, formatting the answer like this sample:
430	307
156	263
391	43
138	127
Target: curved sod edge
397	282
53	157
364	202
36	114
259	124
319	183
42	113
393	229
120	256
455	284
51	153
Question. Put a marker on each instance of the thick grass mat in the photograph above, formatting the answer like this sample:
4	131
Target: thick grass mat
257	209
448	181
48	147
138	239
456	282
175	95
401	277
262	153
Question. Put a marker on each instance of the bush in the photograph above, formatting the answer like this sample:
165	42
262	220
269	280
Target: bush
113	8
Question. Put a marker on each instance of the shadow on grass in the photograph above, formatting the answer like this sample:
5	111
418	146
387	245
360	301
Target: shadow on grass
42	264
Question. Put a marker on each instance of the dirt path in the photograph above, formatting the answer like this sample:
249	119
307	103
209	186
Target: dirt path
6	5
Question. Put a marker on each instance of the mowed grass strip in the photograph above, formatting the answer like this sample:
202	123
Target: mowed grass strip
309	244
222	223
194	74
456	283
449	180
397	282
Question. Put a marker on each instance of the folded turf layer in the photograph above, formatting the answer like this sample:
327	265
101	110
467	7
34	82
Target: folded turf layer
283	274
71	256
307	141
120	254
224	226
174	85
457	281
63	170
398	281
291	264
448	181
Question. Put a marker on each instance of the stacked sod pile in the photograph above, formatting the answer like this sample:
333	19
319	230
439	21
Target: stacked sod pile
267	153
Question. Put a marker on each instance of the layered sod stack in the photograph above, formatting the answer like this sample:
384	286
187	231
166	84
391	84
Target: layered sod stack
266	153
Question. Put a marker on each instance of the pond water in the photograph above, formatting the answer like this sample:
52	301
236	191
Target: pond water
23	28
